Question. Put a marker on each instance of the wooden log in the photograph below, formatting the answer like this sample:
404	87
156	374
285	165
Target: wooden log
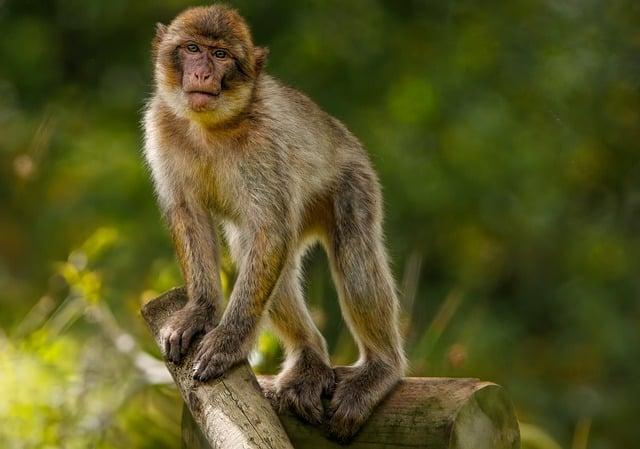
425	413
228	413
429	413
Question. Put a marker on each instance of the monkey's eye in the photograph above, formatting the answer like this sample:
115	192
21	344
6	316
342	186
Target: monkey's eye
192	48
221	54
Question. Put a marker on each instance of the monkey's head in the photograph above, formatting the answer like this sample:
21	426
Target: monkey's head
206	64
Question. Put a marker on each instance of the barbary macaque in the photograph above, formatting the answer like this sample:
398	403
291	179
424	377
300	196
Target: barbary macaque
229	146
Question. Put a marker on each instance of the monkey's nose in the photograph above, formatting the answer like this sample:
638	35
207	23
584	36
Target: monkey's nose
203	76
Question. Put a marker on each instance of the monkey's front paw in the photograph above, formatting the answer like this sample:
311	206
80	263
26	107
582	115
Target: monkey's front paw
216	355
182	327
300	387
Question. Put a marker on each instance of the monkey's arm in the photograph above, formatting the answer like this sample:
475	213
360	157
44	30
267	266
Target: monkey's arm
194	237
229	343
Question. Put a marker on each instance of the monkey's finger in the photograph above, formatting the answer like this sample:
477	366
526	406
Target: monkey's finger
174	343
212	366
186	340
206	371
202	360
202	354
202	375
166	345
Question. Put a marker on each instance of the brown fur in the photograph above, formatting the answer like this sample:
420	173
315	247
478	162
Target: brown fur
277	173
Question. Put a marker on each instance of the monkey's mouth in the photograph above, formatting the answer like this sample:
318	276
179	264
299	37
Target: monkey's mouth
203	92
199	99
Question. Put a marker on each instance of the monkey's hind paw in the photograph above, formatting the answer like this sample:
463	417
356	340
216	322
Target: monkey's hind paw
358	390
300	388
184	325
344	420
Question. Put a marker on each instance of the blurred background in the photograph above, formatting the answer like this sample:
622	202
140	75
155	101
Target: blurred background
506	137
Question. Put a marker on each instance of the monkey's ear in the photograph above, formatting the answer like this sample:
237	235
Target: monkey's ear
161	30
260	54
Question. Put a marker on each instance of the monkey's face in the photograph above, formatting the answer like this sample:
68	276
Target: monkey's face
206	64
204	68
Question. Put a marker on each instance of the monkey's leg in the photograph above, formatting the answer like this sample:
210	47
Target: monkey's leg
306	374
229	343
370	307
195	242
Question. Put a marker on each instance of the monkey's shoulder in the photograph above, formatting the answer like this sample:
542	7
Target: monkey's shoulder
294	120
288	106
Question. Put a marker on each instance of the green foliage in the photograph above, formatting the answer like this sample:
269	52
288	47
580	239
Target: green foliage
505	135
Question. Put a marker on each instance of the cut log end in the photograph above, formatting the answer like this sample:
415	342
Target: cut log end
486	420
434	413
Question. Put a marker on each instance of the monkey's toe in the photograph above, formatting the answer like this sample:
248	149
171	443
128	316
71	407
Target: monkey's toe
296	399
348	409
300	388
344	420
301	393
303	401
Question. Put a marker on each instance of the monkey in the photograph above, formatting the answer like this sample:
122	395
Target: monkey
234	152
